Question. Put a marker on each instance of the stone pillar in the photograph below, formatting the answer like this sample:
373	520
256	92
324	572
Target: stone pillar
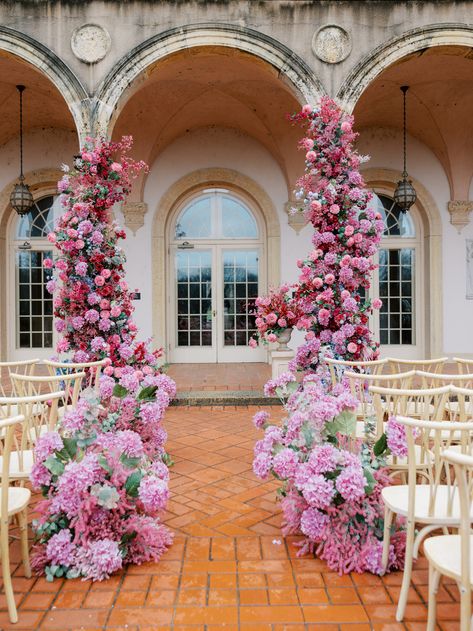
280	362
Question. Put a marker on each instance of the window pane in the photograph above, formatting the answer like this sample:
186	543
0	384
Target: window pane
195	221
38	223
397	223
237	220
33	300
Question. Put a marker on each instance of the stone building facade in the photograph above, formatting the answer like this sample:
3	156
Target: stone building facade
204	88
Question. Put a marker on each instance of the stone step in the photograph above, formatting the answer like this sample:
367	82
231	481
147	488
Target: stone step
223	397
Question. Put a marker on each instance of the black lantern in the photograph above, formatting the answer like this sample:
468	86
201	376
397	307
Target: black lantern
21	198
405	194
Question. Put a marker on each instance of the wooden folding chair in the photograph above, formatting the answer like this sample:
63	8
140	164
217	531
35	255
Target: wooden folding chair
24	367
338	366
429	365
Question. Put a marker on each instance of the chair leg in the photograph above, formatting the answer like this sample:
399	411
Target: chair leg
388	518
7	583
465	608
25	553
434	581
406	578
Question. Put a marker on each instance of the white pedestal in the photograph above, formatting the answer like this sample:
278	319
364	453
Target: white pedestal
280	362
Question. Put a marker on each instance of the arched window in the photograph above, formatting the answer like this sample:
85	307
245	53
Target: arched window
216	250
397	275
33	303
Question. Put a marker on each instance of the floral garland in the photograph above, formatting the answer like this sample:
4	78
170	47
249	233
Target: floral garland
331	482
274	313
104	474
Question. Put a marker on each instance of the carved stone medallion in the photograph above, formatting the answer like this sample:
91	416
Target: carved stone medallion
331	43
90	43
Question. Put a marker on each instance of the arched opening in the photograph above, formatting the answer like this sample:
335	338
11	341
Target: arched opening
217	263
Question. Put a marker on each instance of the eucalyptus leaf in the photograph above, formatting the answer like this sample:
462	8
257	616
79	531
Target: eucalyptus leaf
129	463
54	465
344	423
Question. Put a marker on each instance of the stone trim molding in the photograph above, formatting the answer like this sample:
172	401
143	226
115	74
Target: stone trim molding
385	180
114	89
134	215
388	53
460	213
204	178
51	66
297	221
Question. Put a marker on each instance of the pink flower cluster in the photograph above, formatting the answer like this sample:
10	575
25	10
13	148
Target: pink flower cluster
274	313
335	276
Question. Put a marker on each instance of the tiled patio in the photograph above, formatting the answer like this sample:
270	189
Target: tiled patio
229	567
201	377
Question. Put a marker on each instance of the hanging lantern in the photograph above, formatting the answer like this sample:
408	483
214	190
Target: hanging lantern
405	194
21	198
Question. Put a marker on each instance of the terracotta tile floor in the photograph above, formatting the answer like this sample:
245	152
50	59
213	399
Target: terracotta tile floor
229	567
235	376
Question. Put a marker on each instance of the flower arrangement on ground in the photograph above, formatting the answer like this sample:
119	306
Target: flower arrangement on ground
104	473
331	482
275	313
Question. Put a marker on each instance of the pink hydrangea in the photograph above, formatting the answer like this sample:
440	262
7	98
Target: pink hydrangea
260	419
318	491
351	483
154	493
98	560
314	523
285	463
60	550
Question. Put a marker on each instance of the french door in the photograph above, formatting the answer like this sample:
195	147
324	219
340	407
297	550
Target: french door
213	288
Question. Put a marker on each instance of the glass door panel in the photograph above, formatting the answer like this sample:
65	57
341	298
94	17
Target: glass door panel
194	307
396	290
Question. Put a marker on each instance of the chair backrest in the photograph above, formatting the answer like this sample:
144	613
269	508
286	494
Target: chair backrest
464	365
428	404
460	405
34	385
359	384
437	380
463	465
93	370
426	442
24	367
8	430
40	412
338	366
430	365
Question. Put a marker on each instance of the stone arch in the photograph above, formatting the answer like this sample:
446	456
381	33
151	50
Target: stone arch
292	69
51	66
42	182
385	180
176	192
388	53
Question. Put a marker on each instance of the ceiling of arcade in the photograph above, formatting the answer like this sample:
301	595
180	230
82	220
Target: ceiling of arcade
212	87
43	105
439	106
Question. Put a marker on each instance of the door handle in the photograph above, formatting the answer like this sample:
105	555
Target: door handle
214	313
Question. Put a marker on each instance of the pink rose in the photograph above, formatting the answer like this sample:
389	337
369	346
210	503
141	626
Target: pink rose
108	370
334	209
104	303
52	237
271	337
377	303
349	230
115	311
317	282
47	263
252	343
115	166
79	244
123	284
99	281
271	318
282	323
311	156
307	109
324	316
329	279
346	126
307	143
106	273
352	347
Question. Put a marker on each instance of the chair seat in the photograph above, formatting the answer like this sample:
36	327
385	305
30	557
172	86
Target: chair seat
20	470
396	498
444	552
18	498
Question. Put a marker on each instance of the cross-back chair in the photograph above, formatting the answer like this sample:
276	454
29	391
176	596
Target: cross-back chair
338	366
41	415
13	502
464	365
23	367
93	370
451	555
397	365
432	505
33	385
360	383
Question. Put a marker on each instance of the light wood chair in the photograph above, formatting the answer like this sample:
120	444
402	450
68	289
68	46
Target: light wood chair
430	365
464	365
24	367
36	424
33	385
13	502
93	370
434	504
338	366
359	384
451	555
459	409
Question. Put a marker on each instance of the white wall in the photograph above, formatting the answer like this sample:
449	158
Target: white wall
385	148
207	148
